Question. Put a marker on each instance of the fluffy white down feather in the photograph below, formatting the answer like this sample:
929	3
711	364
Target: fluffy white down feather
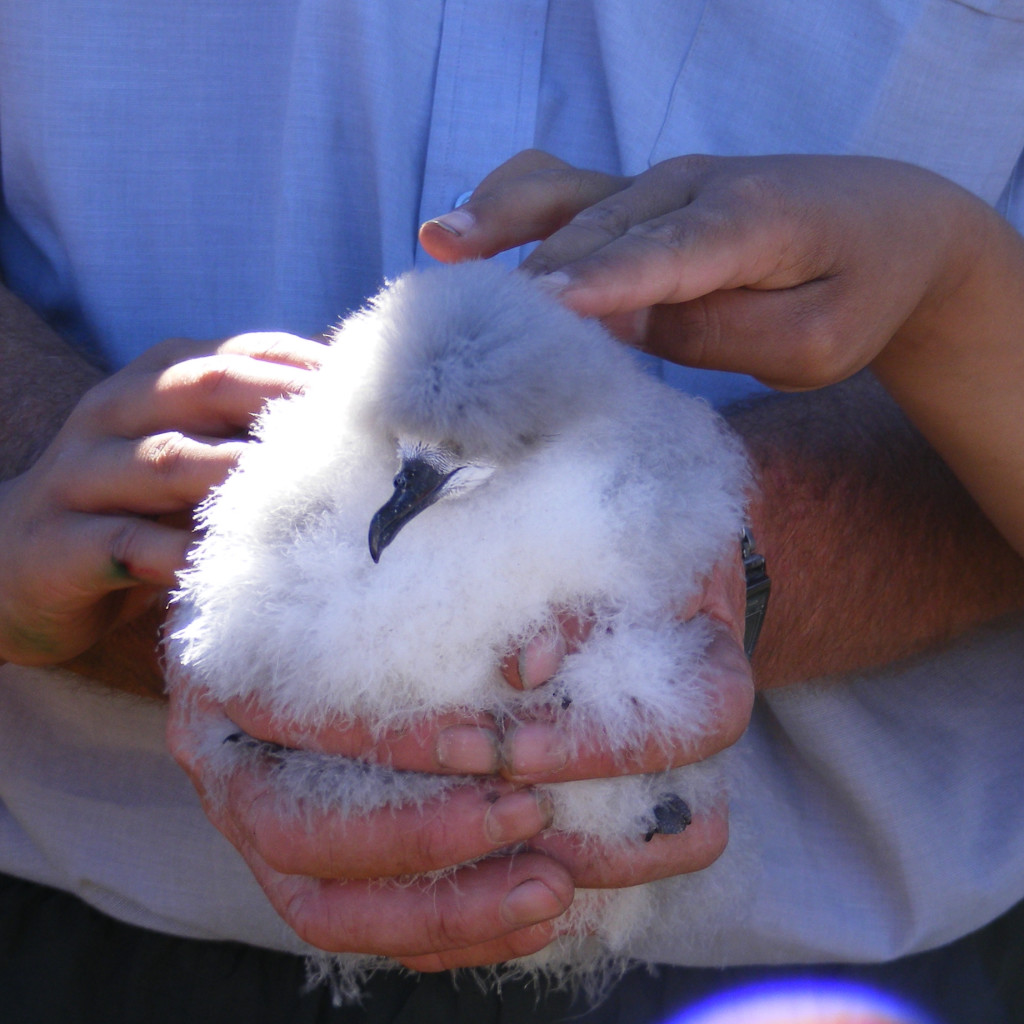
612	496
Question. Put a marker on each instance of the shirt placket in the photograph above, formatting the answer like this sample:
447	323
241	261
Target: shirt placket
485	98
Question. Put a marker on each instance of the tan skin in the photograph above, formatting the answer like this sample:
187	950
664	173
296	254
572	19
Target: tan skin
813	298
800	271
95	515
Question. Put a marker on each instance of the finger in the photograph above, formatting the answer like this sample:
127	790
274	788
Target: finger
114	552
498	951
540	658
460	744
723	596
153	475
276	347
216	395
466	823
463	825
525	199
671	259
97	554
74	592
420	917
542	752
645	200
271	346
601	865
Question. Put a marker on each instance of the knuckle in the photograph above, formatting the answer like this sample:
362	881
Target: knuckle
170	351
95	404
166	455
430	847
524	164
690	166
210	376
138	552
695	324
822	352
432	963
126	544
755	190
285	856
610	219
734	703
268	346
280	841
308	914
534	157
275	348
669	233
447	930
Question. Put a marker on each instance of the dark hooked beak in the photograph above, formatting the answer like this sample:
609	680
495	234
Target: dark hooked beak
417	486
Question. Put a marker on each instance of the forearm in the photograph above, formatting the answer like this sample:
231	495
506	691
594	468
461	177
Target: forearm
128	658
875	549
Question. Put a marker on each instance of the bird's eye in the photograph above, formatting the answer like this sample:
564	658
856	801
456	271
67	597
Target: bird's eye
410	473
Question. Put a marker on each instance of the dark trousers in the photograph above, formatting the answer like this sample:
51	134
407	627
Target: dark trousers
61	962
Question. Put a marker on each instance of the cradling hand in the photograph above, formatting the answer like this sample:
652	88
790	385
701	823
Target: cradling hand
538	752
91	533
334	878
358	882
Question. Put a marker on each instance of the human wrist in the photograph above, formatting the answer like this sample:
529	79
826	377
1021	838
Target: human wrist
957	369
972	249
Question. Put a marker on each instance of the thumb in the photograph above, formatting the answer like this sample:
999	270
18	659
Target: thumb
523	200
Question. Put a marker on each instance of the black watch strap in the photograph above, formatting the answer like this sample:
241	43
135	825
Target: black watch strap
758	588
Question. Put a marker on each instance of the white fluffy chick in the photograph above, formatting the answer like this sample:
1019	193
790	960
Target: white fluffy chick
534	470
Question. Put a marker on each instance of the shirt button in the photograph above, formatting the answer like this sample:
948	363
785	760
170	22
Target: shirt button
462	199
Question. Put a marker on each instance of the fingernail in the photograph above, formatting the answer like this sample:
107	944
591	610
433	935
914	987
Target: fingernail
555	282
458	222
468	749
534	750
531	902
540	658
517	816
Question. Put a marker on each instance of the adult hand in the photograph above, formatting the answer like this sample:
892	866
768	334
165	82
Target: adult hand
91	533
799	270
795	269
334	879
354	883
537	752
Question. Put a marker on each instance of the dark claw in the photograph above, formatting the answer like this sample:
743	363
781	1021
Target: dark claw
672	815
245	740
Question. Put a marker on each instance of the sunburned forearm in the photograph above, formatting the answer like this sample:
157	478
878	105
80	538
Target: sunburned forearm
876	551
128	658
